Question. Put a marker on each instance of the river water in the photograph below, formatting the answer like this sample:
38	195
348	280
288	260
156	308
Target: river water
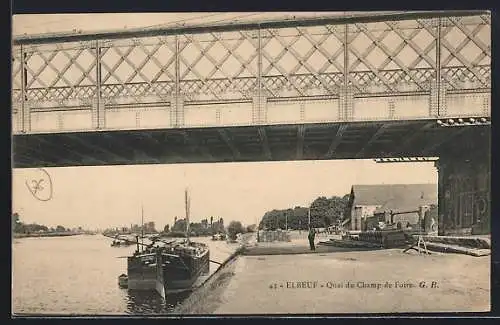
79	275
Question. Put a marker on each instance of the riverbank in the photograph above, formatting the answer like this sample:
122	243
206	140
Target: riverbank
52	234
205	298
344	281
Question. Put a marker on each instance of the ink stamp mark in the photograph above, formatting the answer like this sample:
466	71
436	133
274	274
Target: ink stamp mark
41	186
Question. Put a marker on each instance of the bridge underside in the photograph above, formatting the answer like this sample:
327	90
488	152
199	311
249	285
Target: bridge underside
464	154
361	140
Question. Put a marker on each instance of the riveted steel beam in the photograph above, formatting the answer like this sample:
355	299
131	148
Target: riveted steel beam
43	155
447	137
151	32
336	140
87	144
229	142
301	131
373	138
265	143
405	145
197	145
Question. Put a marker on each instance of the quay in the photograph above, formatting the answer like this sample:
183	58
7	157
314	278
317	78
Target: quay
263	280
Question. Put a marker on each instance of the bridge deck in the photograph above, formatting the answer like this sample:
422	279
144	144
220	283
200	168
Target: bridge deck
252	143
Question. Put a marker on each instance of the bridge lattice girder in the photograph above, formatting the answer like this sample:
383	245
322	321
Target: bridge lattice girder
337	61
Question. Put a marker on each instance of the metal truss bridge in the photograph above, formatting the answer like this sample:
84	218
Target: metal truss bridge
355	86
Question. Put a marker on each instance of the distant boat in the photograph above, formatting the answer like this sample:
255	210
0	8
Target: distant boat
219	236
175	266
120	241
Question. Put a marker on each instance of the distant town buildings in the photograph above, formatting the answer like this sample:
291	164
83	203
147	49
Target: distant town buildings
203	227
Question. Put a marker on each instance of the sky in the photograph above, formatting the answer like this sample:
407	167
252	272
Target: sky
53	23
101	197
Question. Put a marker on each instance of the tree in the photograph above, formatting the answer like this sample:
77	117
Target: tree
324	212
60	228
211	222
328	211
179	225
166	228
149	227
15	218
347	213
234	228
17	225
251	228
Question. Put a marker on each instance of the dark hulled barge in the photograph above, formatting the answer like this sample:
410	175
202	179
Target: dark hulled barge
175	266
172	267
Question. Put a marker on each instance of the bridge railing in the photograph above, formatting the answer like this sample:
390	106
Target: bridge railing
418	67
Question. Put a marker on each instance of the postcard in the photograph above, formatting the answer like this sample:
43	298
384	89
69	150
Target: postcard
263	163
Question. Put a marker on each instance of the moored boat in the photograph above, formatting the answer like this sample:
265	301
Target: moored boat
123	280
121	242
174	266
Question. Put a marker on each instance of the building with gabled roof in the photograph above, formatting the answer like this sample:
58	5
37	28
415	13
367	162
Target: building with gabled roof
367	200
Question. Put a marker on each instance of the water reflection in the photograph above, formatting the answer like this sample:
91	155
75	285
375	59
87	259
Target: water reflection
146	302
79	275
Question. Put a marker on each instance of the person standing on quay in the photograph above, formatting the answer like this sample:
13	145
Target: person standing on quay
311	236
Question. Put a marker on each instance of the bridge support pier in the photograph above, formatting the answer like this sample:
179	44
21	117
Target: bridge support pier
464	191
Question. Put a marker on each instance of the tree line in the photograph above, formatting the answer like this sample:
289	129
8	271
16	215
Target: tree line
20	227
324	212
206	228
202	228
